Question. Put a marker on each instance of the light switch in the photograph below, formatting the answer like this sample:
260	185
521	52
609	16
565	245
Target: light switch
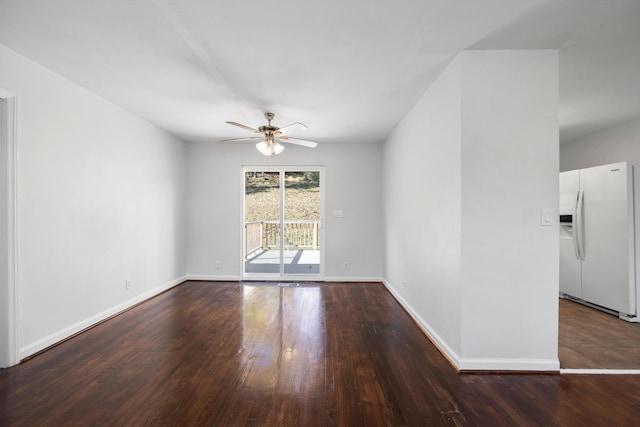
338	213
547	217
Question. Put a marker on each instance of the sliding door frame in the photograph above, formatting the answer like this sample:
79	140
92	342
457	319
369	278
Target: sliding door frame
281	275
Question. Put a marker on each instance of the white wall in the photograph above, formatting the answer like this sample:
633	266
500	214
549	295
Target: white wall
100	201
422	199
4	267
618	144
353	180
475	161
509	173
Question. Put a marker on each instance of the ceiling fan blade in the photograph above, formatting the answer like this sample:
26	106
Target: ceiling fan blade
250	138
298	141
250	129
292	127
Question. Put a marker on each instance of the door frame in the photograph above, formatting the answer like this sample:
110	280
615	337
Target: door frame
9	140
281	276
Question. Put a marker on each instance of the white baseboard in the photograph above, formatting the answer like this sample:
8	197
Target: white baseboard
440	344
210	277
353	279
213	278
467	364
570	371
524	365
65	333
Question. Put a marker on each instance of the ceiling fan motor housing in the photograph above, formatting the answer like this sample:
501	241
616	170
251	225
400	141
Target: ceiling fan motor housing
269	131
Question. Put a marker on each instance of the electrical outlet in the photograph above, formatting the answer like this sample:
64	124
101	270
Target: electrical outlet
127	284
218	265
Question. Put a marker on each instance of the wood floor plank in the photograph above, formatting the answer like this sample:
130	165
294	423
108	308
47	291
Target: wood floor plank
255	354
592	339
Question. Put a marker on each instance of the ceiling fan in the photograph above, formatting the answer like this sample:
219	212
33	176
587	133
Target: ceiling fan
272	136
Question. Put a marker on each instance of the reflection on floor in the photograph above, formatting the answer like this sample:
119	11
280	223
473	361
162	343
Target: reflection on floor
591	339
295	262
257	354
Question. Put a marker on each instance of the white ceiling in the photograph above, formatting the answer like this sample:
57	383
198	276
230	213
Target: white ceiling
348	69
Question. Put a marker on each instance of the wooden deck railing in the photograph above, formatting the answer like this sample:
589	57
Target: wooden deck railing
252	237
265	235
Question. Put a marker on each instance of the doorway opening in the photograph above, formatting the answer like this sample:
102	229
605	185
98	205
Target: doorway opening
282	223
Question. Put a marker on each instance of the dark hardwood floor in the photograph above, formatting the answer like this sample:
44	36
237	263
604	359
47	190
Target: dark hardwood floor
591	339
254	354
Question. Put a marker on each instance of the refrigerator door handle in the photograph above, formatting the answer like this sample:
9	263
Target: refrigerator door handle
578	229
574	226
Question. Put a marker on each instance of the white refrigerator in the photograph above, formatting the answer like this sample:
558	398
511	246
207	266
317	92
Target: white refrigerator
597	244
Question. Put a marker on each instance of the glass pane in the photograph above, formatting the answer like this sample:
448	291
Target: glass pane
302	222
262	222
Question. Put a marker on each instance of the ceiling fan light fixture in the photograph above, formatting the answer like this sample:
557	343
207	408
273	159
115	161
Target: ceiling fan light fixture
264	148
277	148
267	147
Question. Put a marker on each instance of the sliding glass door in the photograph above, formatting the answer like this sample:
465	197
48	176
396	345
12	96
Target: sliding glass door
282	230
262	222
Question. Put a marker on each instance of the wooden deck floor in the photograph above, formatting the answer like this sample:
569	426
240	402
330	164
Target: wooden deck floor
251	354
295	262
591	339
